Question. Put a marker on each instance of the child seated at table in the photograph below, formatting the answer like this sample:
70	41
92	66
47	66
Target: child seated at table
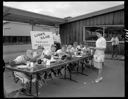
69	47
22	60
51	53
38	54
62	52
75	47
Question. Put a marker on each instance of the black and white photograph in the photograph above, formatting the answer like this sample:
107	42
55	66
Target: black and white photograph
64	49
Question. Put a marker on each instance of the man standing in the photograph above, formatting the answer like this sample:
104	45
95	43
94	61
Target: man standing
115	43
99	54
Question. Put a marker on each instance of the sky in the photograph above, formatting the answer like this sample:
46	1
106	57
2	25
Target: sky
63	9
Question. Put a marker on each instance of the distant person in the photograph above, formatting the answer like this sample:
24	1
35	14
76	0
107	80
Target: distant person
115	44
99	54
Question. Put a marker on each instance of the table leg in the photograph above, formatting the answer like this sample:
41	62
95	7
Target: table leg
77	66
65	72
82	71
82	67
70	74
30	87
37	83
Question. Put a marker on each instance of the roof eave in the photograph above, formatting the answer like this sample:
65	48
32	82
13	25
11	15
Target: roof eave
96	13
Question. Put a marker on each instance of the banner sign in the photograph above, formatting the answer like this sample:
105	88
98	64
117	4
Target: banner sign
56	35
40	38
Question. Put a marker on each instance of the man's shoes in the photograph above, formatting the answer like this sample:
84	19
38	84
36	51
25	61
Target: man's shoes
98	79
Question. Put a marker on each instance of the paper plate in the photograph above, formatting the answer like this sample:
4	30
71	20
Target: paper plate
78	56
22	66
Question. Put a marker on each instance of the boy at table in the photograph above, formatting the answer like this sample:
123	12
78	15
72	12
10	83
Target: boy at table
62	52
75	47
51	55
22	60
38	53
99	54
51	52
69	47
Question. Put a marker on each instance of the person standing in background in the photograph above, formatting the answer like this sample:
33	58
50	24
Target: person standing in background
115	43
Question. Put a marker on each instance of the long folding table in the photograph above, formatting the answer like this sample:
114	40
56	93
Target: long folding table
39	69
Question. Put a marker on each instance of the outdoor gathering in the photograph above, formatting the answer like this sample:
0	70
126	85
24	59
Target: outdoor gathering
63	49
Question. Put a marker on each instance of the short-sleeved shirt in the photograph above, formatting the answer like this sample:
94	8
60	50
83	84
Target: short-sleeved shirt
21	76
69	49
115	41
36	54
100	43
74	49
49	52
61	53
99	54
20	59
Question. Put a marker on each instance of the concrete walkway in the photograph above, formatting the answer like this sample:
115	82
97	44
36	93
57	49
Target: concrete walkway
111	86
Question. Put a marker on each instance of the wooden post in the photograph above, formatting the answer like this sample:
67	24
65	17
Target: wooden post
104	31
83	33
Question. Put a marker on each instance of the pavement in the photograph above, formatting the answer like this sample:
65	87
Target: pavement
112	85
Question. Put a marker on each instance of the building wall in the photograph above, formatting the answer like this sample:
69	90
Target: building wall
19	33
23	29
73	31
16	29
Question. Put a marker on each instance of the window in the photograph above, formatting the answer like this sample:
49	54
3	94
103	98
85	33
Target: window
109	30
16	40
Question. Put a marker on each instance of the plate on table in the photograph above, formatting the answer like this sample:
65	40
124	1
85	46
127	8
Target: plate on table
22	66
78	56
52	61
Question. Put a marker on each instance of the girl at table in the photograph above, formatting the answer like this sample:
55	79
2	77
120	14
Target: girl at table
99	54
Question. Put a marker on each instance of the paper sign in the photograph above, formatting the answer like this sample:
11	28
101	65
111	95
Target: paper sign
41	38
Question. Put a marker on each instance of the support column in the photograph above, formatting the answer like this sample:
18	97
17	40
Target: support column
32	23
32	27
83	33
104	31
